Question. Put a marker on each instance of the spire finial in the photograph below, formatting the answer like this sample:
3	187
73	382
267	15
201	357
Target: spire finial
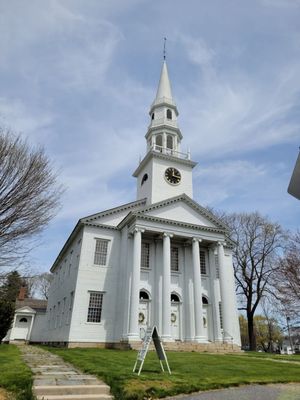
165	39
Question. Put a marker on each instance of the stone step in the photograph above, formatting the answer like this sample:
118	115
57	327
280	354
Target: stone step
71	389
76	397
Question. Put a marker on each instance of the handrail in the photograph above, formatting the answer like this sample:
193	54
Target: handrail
171	152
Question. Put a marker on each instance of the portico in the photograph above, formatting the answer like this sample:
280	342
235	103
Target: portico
191	283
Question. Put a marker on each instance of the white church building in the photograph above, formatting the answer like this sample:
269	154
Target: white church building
160	260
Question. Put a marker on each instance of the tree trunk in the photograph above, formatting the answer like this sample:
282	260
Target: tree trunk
251	332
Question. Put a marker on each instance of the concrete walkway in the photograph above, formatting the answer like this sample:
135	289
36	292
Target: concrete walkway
289	391
54	379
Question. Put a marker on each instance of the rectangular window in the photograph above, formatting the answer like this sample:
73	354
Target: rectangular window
221	316
174	259
145	255
203	262
217	266
100	252
95	307
63	311
70	308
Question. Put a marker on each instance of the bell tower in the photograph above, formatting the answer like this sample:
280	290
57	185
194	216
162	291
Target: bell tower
165	171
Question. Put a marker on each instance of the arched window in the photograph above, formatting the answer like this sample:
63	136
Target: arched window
158	140
169	142
23	320
169	114
175	298
144	295
152	116
204	300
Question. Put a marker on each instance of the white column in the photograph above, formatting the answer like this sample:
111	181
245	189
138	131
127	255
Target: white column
135	285
215	288
197	291
225	289
166	289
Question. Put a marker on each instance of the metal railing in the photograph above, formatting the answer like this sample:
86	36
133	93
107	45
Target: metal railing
171	152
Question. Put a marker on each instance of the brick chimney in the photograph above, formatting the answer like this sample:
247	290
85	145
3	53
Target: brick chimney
22	293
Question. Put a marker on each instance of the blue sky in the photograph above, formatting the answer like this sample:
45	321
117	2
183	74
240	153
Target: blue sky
78	77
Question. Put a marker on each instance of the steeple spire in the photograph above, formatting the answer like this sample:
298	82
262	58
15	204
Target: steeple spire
164	91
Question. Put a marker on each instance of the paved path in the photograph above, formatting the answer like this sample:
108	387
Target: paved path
250	392
54	379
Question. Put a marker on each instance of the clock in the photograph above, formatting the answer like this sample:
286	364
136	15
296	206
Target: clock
173	176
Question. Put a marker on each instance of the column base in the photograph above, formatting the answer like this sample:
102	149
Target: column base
200	339
133	337
167	338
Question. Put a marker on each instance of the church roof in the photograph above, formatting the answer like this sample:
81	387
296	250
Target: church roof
35	304
173	200
115	210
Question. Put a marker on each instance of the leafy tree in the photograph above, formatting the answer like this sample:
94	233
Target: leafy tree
258	244
8	294
29	195
7	310
244	332
268	333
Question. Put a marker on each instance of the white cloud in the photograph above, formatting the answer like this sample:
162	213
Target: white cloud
16	116
197	50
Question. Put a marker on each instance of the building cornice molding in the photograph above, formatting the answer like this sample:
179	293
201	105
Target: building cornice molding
192	203
178	223
114	210
163	127
162	156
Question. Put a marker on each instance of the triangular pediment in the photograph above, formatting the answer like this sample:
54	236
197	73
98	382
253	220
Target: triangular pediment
114	216
183	209
25	310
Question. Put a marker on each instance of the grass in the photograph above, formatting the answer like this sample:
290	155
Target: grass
190	371
15	376
285	357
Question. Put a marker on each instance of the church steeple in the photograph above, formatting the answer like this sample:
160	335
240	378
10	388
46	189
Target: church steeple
163	132
165	171
164	87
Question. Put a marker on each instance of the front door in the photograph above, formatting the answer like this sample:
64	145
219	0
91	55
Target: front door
175	321
143	317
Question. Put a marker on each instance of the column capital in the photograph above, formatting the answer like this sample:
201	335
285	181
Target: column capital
138	230
220	243
195	239
167	234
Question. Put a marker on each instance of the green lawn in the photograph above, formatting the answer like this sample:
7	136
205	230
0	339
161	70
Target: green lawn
291	357
15	376
190	371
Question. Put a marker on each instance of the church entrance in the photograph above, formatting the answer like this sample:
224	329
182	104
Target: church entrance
144	313
206	318
175	316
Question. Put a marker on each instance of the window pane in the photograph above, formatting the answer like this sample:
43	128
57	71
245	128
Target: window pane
145	255
95	307
202	262
221	316
100	252
217	266
174	259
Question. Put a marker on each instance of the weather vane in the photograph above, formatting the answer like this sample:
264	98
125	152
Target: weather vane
165	39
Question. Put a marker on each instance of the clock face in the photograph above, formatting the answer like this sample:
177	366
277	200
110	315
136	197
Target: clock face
173	176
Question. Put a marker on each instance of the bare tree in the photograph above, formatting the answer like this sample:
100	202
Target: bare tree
258	242
29	195
287	280
40	285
